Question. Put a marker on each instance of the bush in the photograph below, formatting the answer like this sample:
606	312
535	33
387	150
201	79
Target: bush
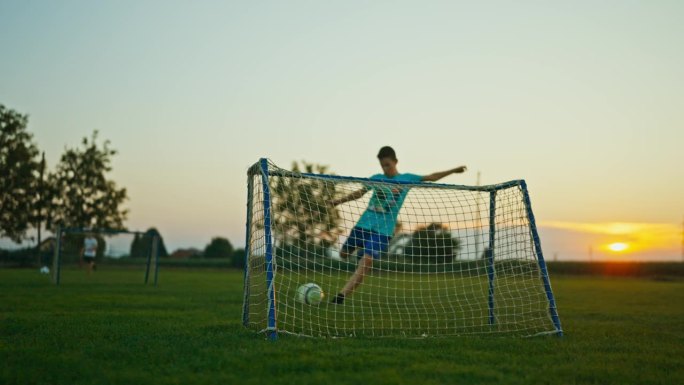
432	244
219	248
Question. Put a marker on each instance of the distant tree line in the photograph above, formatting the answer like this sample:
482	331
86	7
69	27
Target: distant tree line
218	248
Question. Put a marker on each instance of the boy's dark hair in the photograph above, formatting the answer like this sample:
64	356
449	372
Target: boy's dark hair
387	152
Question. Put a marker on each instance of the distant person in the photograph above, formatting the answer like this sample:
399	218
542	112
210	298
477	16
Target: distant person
89	252
372	233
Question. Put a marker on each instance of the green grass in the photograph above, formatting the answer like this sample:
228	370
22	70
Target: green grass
400	304
111	329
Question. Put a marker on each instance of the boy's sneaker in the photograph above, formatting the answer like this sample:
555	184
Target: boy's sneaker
338	299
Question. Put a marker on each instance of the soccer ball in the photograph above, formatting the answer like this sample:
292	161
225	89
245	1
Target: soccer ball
310	294
45	270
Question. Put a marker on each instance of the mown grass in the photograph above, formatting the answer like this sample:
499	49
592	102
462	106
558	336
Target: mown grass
111	329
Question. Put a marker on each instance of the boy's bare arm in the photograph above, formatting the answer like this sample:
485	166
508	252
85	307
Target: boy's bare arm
351	197
441	174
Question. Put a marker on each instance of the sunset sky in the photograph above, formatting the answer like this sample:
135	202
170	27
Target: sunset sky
582	99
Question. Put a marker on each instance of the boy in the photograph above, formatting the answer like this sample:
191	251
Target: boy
375	228
89	251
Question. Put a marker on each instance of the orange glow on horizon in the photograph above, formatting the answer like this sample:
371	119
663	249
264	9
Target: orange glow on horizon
623	240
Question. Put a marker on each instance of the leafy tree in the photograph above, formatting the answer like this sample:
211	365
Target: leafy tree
81	193
219	248
301	215
142	244
432	244
19	170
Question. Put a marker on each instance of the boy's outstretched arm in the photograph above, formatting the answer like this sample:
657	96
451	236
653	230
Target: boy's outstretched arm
353	196
441	174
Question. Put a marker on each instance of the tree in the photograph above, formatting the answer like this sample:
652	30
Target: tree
142	244
301	214
19	181
81	194
219	248
432	244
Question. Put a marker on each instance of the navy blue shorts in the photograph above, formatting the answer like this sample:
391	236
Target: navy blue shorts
366	242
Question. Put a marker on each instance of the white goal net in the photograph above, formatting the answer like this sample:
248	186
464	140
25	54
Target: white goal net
462	260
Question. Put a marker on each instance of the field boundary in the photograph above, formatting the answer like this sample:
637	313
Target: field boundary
656	270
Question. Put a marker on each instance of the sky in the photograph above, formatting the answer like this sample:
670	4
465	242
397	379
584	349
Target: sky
583	99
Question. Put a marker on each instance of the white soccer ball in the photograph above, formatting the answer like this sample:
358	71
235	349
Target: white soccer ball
310	294
45	270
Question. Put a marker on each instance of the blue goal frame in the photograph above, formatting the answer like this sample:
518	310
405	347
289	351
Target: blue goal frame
261	168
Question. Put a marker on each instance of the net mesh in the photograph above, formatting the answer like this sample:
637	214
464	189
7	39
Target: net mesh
446	271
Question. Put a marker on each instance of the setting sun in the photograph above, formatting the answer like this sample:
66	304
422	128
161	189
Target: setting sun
618	246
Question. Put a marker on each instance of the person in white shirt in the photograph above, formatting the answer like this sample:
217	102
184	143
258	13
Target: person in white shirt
89	251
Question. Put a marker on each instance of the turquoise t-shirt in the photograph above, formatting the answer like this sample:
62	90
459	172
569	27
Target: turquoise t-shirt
383	208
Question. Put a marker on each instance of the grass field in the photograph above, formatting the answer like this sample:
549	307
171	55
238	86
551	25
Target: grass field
111	329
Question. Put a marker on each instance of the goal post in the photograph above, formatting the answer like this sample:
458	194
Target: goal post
65	245
431	280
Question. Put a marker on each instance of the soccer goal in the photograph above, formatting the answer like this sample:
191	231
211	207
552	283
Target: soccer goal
105	254
464	260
